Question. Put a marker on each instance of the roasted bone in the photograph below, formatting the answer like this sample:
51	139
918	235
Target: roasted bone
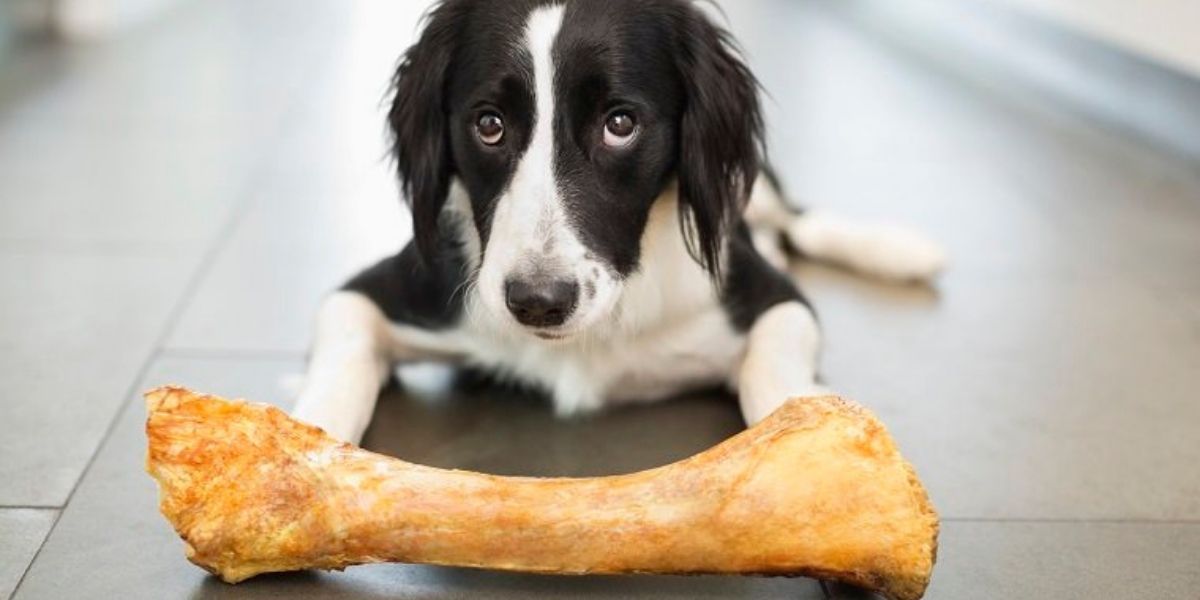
817	489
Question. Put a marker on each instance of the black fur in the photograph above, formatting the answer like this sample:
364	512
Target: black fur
418	122
409	290
661	60
721	134
752	285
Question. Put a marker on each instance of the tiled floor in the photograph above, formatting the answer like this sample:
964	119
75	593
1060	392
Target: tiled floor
173	205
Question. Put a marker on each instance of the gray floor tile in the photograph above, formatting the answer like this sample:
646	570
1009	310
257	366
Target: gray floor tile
1138	213
153	137
149	138
325	206
471	425
22	532
1026	398
64	188
111	536
237	73
1084	561
304	236
1188	302
74	331
113	539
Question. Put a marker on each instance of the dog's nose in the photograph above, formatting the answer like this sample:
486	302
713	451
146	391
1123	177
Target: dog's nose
541	303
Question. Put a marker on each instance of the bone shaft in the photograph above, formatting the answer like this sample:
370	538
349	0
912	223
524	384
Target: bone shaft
464	519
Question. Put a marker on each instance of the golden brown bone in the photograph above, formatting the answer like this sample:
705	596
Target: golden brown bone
817	489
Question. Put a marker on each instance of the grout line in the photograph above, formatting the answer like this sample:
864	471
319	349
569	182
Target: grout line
4	507
102	249
112	426
181	304
207	260
1069	520
232	354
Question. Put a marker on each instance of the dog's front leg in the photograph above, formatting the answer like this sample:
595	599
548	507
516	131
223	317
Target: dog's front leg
349	362
780	360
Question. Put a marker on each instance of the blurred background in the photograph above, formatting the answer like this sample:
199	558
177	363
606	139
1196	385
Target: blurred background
182	180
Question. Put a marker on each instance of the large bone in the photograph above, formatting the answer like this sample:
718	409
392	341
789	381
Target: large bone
817	489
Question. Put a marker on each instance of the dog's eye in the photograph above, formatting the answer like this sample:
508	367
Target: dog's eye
619	129
490	129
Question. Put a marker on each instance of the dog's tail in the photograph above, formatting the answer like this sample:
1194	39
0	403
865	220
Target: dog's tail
885	251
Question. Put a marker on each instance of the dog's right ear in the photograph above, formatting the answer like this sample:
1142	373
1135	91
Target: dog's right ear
721	136
418	123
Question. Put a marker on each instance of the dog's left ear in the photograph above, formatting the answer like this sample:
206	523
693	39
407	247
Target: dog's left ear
417	120
721	135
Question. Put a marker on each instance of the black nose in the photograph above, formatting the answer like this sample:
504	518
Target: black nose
541	303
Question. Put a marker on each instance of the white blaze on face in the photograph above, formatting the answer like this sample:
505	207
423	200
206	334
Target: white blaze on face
533	194
530	230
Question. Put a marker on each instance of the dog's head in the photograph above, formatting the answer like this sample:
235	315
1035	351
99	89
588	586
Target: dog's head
564	122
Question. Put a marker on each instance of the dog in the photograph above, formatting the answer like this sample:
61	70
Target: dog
592	216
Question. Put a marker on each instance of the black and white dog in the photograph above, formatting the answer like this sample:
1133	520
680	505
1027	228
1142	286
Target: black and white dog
591	216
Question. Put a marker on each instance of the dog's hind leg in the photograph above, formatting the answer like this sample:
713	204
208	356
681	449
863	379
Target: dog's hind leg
888	252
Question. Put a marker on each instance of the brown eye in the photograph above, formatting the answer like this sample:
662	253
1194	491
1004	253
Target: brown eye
619	129
490	129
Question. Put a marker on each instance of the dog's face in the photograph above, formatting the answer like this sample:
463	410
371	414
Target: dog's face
564	122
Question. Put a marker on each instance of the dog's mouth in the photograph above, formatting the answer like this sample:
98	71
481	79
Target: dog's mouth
559	334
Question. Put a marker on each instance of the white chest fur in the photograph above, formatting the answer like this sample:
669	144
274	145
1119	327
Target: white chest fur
667	334
697	351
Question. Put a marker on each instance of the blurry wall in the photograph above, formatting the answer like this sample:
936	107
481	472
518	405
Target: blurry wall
1141	76
1165	30
79	19
83	19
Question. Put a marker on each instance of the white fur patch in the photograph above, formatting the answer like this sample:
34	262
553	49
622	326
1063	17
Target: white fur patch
667	334
885	251
780	362
348	363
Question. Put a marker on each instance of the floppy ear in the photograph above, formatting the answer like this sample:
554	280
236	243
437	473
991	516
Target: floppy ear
418	122
720	142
